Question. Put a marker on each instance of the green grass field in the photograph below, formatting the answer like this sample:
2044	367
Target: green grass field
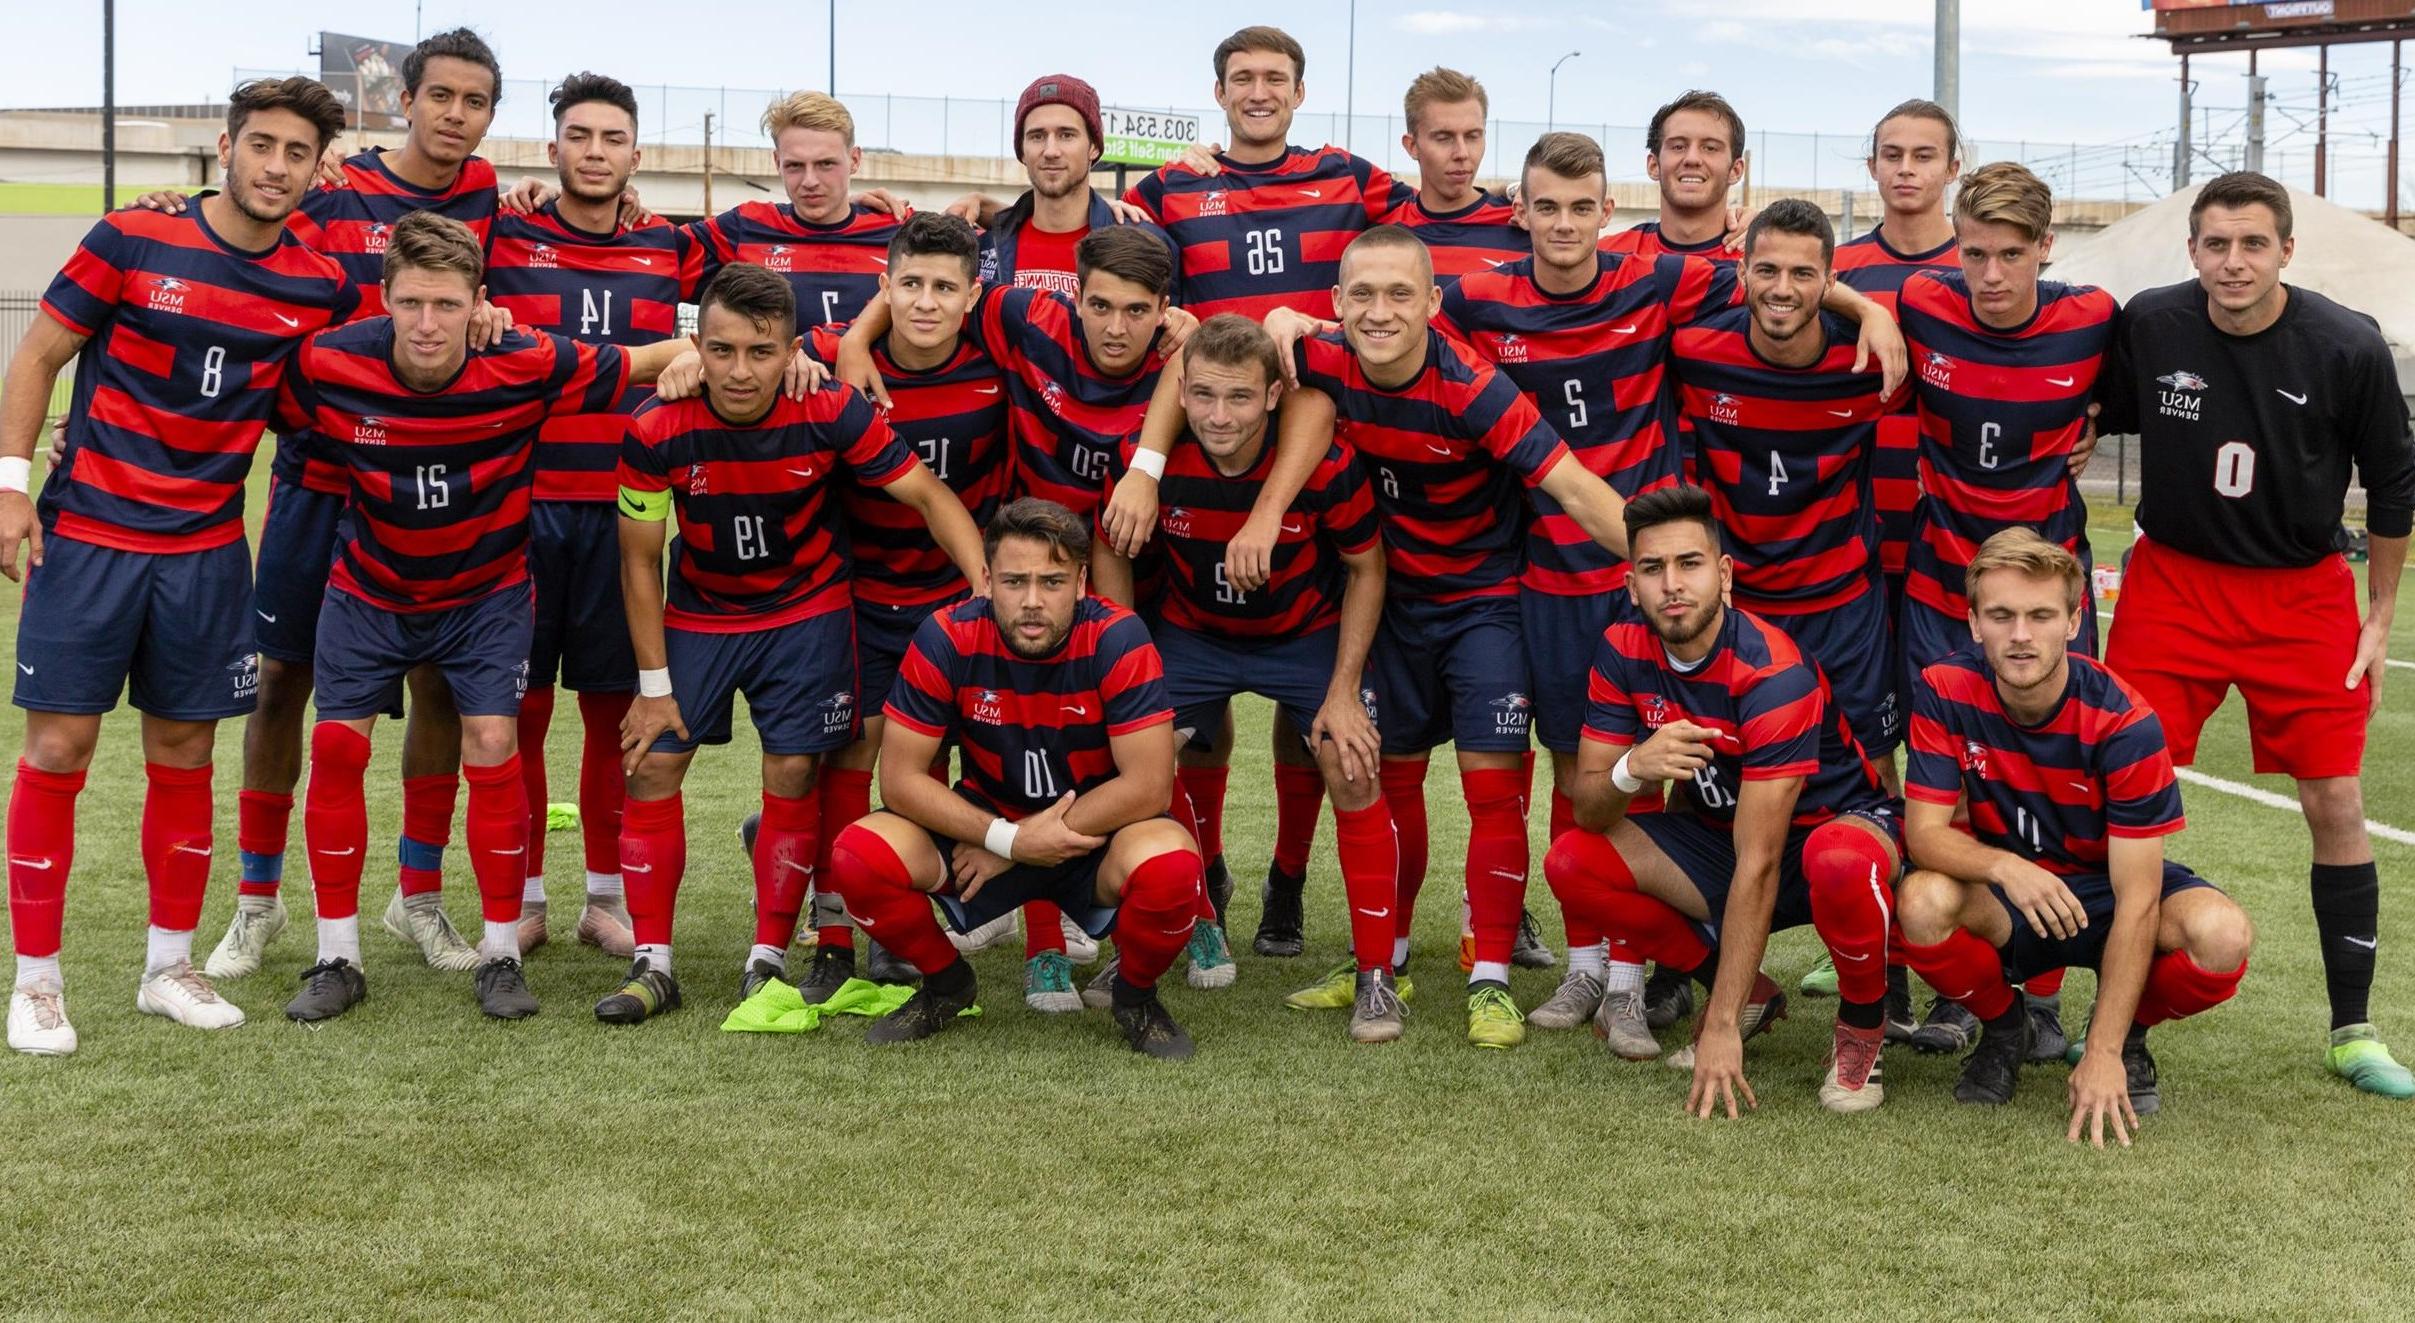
415	1160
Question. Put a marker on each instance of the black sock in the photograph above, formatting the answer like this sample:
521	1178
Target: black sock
2347	918
1706	973
1127	993
1899	981
1861	1014
955	978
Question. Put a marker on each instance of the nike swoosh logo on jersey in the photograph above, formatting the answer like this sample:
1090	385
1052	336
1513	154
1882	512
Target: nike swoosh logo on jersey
1491	263
1312	192
985	390
2293	399
1077	710
2081	786
264	615
1840	413
289	321
1291	528
643	261
38	865
2369	943
1628	329
802	473
2060	381
1439	450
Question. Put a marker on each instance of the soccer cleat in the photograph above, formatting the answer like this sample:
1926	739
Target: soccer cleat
1338	990
1994	1067
1218	880
329	988
831	968
2357	1056
1529	951
984	937
420	920
1080	947
37	1020
503	990
2146	1092
2046	1040
533	933
1621	1025
1493	1019
747	827
1279	915
1764	1006
1048	984
759	972
646	993
180	993
1148	1029
1211	961
1668	997
1947	1028
928	1011
1099	993
1853	1082
885	966
1572	1003
604	925
1897	1008
1821	981
248	934
1376	1015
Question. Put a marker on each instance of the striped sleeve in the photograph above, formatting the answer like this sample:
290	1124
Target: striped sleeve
1349	514
595	377
1506	426
1780	714
2142	796
1609	707
1932	767
870	446
924	697
1133	683
1694	286
85	293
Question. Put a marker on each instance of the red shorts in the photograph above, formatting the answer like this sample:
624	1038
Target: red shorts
2188	629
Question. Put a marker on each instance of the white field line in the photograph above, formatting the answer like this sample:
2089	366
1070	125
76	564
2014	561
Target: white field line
2259	795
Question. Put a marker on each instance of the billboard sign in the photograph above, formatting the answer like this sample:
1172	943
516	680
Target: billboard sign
366	75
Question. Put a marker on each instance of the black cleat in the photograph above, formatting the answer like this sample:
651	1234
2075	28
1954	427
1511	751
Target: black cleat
503	991
933	1007
1530	952
1668	997
832	967
1148	1029
2046	1040
747	827
1279	916
1898	1019
1994	1067
2146	1094
883	966
329	988
759	972
1218	880
1948	1028
646	993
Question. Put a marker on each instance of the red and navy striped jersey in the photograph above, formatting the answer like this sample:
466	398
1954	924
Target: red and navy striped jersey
186	339
1644	240
1868	265
1446	453
622	288
1786	455
2052	793
1032	728
349	222
439	513
954	416
1068	417
1592	364
759	535
1999	414
1477	237
1200	509
1769	703
834	270
1260	237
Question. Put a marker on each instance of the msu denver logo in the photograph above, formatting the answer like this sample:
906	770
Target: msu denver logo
1937	370
167	294
377	237
776	259
1213	203
2182	396
543	255
1509	347
1511	712
1974	758
838	710
1725	409
986	709
1656	710
1178	521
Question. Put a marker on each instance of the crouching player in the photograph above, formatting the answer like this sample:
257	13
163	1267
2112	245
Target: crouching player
1788	825
1059	703
2071	794
759	603
1301	639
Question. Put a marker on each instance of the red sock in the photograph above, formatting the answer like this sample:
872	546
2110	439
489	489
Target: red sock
842	795
2178	986
1182	810
497	828
654	853
1405	794
785	846
867	874
536	717
1966	969
261	822
1299	792
1154	918
335	818
428	823
601	785
1526	782
1370	852
1043	929
1581	934
41	848
1205	786
1852	905
1588	874
1496	859
176	843
2047	984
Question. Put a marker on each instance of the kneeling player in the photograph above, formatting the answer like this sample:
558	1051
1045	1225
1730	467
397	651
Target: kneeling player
2071	792
1788	824
1301	639
1059	702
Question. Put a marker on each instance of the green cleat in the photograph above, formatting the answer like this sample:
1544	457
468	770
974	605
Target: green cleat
1338	990
1211	961
1821	981
646	993
2357	1056
1493	1019
1048	984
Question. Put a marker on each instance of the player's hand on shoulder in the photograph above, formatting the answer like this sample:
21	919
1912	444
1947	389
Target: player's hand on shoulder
2100	1099
633	213
644	723
857	370
1286	326
883	201
1127	214
1200	158
1180	322
526	196
1131	513
1738	221
18	527
972	209
1880	340
803	376
161	199
1719	1075
2041	898
331	164
489	323
682	380
1673	753
1045	839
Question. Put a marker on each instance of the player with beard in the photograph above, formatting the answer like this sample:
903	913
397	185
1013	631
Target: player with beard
1466	228
1030	242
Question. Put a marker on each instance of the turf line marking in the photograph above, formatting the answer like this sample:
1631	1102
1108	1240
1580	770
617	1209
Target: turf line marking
2402	665
2258	795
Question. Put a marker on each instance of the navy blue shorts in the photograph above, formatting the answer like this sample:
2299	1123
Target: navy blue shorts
882	634
582	634
1561	634
165	628
1453	673
1855	647
297	550
1071	886
365	650
1203	673
1707	856
798	678
2028	954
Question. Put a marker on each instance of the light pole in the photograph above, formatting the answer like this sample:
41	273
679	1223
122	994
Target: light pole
1551	114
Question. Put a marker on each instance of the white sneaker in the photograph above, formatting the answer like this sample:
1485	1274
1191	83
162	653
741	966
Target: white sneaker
984	937
423	924
247	937
37	1020
1080	947
187	998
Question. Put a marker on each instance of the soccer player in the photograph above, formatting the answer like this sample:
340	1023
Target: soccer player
759	604
829	247
1302	640
1466	228
1784	822
1030	243
2061	863
573	267
1693	149
137	577
2252	398
1059	703
432	571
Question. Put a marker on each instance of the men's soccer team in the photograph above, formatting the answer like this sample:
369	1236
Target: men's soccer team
1721	511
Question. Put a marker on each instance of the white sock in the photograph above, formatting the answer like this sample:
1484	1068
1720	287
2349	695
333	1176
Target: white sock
165	948
34	969
776	955
340	939
1624	976
657	958
1400	952
258	904
533	893
1588	959
1489	971
603	886
502	941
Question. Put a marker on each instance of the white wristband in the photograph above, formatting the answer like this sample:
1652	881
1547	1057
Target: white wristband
1625	781
17	475
1145	460
655	683
1000	838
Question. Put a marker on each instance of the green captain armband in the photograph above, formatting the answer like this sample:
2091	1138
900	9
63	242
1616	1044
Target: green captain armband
653	507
